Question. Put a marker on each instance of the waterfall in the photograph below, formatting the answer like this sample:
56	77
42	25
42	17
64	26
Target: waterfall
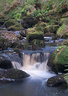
32	62
35	64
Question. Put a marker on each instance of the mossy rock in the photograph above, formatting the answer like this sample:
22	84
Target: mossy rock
32	34
40	26
51	28
15	27
37	44
59	59
63	31
11	22
62	7
64	20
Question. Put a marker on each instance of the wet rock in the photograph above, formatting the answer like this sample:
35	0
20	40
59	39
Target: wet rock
23	33
57	81
12	75
5	63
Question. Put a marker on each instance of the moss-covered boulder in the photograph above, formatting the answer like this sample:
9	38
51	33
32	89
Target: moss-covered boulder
10	22
13	25
59	59
32	34
63	31
51	28
37	44
40	26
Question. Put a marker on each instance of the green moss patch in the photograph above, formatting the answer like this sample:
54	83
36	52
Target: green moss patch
32	34
63	31
60	58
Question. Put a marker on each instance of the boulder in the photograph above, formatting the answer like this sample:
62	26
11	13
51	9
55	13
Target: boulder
10	22
13	25
57	81
5	63
12	75
33	33
59	60
51	28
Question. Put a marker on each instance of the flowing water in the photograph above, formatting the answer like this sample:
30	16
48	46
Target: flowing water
35	64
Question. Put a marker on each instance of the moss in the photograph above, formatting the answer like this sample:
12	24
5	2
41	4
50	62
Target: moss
36	44
63	31
15	27
51	28
10	22
13	24
64	20
40	26
32	34
60	58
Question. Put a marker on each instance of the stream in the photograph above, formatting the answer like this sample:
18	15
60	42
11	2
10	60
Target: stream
35	64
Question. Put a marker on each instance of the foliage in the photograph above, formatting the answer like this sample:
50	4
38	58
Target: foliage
62	31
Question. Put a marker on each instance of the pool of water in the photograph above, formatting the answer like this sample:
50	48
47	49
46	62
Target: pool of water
31	87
